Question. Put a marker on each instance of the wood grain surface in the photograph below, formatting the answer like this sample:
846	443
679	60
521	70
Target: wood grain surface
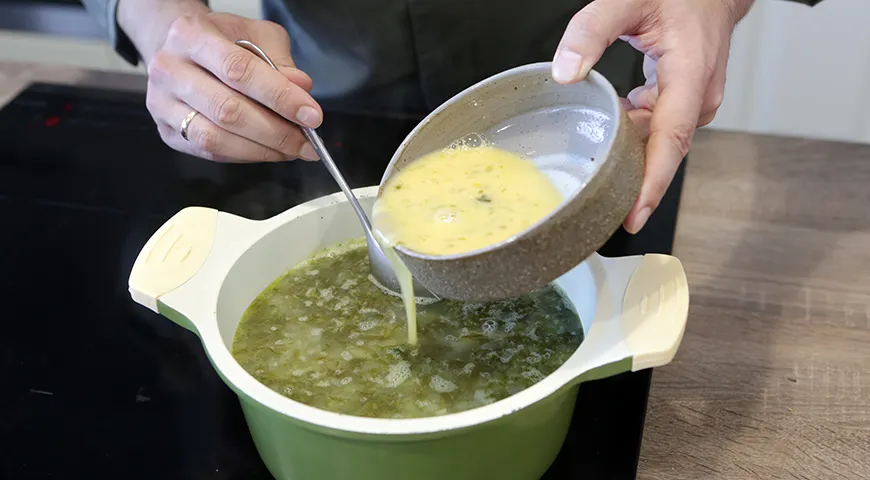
773	376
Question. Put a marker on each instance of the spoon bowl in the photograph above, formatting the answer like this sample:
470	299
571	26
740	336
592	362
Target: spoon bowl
577	134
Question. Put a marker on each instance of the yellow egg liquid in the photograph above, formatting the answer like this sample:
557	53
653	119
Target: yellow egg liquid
458	200
406	284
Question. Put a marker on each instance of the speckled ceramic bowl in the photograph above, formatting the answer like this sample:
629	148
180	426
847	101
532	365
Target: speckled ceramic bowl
578	134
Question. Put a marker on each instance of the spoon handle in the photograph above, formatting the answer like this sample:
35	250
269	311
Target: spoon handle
381	267
319	147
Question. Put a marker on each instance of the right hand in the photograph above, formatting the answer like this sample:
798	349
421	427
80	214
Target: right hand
248	112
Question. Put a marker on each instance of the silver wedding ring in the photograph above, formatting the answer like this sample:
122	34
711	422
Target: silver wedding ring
185	124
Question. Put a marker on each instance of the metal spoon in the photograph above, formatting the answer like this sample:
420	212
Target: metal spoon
381	268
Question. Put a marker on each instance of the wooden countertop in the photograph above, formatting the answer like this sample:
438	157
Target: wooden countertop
773	376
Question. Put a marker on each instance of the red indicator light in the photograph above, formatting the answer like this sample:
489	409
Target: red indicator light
52	121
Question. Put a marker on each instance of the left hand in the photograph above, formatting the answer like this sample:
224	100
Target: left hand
686	45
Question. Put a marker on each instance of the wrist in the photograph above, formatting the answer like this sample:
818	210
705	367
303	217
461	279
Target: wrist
147	22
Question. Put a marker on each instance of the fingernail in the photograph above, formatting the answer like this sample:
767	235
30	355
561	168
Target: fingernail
308	116
307	152
567	66
640	220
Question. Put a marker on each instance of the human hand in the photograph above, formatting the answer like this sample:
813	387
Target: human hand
247	111
686	45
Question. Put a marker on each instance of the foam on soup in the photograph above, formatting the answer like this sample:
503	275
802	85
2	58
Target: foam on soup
325	335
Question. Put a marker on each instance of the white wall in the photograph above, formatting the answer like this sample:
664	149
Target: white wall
801	71
245	8
794	70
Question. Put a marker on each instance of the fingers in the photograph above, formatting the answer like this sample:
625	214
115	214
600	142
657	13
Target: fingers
646	96
251	76
682	84
226	108
295	75
269	36
716	89
243	71
641	118
649	69
273	39
706	119
204	138
589	33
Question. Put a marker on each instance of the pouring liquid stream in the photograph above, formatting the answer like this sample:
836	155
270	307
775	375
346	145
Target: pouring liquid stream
462	198
406	284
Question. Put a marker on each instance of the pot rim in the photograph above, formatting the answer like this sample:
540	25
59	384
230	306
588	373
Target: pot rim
593	77
240	379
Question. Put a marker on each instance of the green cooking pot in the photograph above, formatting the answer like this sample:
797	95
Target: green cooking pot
203	268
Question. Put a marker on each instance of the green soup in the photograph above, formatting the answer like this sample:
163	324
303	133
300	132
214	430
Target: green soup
325	335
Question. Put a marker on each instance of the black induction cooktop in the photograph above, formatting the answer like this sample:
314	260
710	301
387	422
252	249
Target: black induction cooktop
95	386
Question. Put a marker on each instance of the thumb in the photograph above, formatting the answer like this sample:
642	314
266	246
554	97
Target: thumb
590	32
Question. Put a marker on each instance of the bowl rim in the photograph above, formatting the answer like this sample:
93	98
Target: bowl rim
593	78
246	384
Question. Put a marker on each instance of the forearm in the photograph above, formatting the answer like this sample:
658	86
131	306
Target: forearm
146	22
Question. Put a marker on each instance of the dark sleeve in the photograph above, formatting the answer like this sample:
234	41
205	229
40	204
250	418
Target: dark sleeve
104	12
807	2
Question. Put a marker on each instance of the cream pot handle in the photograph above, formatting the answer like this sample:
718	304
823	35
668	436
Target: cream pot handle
655	309
173	255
